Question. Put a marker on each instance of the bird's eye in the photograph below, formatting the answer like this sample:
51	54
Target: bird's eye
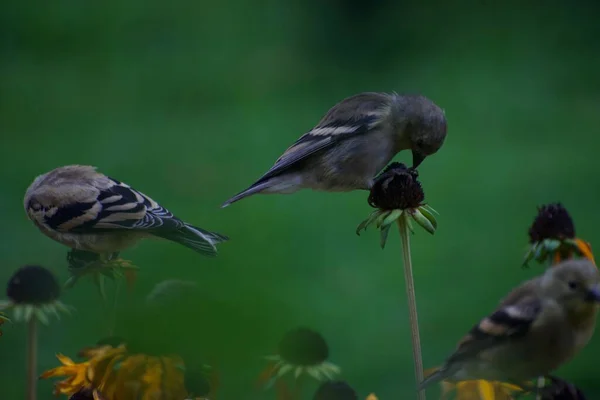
35	206
572	285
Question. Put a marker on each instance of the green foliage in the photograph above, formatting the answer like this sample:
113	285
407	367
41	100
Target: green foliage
192	101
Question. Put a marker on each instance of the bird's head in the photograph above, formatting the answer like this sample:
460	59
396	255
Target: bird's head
427	129
573	283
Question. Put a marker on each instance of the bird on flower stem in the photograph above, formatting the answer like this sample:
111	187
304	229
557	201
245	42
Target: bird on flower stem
86	210
538	327
353	142
98	216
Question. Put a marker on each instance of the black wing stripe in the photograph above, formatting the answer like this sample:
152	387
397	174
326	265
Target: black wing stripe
66	214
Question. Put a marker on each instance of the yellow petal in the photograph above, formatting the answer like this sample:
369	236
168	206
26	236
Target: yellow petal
486	390
372	397
64	359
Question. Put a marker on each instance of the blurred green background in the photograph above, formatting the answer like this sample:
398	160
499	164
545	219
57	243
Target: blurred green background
190	102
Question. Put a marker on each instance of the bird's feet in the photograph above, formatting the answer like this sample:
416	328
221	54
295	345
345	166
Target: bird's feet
99	267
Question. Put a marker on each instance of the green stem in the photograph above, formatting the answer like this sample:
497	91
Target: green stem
113	323
32	360
298	387
412	302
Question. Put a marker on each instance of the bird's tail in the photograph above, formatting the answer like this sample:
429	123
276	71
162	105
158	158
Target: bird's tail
256	188
197	239
435	375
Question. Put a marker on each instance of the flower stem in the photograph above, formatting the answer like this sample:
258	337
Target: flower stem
32	360
412	303
113	316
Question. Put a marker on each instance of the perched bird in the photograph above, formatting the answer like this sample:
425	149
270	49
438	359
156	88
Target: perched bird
353	142
88	211
539	326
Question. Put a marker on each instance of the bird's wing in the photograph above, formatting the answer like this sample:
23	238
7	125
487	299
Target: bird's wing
351	117
511	320
116	206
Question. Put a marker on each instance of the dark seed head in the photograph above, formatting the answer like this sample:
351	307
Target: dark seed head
196	381
303	347
33	284
562	390
552	222
396	187
83	394
335	390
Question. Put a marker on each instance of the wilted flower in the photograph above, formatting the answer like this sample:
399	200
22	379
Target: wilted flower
398	194
83	263
33	292
552	237
301	351
335	390
114	373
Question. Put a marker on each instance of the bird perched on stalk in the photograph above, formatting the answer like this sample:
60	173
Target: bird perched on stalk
353	142
539	326
88	211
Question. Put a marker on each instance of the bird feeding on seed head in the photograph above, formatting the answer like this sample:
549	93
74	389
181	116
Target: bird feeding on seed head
88	211
537	327
353	142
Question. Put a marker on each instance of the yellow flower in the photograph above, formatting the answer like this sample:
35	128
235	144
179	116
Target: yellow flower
477	390
76	376
113	373
480	390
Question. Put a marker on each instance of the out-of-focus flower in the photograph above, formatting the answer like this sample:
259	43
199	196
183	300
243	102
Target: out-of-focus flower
372	397
301	351
477	389
87	394
552	237
335	390
99	267
33	292
113	373
559	389
397	194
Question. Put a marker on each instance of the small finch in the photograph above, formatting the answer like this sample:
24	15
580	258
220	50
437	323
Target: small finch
353	142
87	211
538	327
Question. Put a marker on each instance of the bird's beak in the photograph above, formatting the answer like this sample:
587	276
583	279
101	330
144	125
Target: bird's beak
594	295
417	158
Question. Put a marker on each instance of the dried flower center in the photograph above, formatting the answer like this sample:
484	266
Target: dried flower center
303	347
335	390
396	187
83	394
552	222
34	285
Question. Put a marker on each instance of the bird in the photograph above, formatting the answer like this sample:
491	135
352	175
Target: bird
355	139
95	214
537	327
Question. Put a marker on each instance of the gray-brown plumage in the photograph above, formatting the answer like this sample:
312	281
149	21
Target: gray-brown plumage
539	326
353	142
88	211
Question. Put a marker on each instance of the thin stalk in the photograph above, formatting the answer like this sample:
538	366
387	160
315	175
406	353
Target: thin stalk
412	302
32	360
299	387
113	323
